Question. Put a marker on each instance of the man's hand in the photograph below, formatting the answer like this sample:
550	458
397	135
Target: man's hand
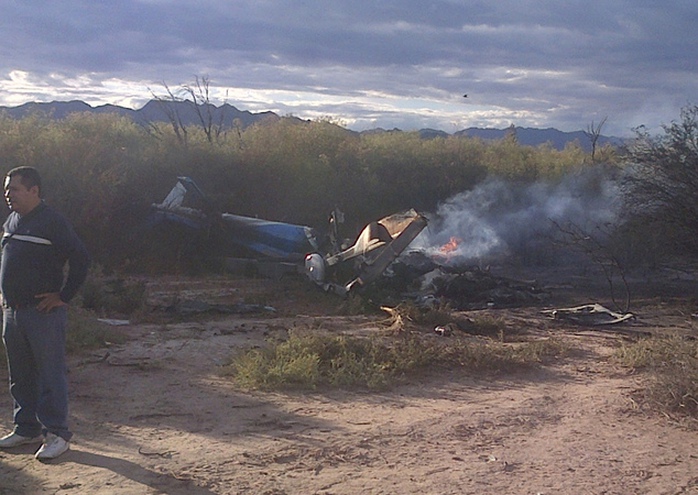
49	301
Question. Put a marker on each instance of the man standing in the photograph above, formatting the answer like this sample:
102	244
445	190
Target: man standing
37	242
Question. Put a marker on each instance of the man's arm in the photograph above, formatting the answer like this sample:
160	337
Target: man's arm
78	265
75	252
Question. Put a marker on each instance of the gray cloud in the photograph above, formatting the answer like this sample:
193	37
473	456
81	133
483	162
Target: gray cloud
392	63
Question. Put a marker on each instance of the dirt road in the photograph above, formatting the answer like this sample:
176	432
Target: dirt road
156	416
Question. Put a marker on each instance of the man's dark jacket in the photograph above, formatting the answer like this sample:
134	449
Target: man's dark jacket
35	248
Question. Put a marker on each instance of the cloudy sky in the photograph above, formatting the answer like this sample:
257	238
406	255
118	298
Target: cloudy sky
377	63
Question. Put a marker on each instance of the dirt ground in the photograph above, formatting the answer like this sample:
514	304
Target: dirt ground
155	415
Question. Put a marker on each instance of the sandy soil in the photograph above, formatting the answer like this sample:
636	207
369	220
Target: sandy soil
156	415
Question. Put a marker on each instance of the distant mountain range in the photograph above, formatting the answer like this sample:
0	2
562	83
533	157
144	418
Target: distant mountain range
153	111
229	116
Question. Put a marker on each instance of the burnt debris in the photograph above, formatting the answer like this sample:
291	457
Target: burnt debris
424	280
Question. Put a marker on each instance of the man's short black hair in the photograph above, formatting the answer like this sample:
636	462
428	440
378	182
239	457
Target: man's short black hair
29	176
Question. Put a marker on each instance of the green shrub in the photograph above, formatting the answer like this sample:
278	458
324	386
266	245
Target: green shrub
312	361
289	364
104	171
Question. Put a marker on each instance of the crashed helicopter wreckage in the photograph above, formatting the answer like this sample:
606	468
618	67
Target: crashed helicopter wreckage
301	248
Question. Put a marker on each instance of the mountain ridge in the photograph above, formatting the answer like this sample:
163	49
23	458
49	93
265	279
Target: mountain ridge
229	116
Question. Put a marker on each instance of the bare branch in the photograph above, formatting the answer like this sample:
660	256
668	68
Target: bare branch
201	99
168	105
593	132
601	255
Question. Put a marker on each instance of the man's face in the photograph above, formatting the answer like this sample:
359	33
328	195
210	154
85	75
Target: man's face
18	197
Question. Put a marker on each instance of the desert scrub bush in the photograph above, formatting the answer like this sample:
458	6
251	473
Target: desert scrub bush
484	324
538	351
308	361
376	362
490	355
85	332
111	295
672	364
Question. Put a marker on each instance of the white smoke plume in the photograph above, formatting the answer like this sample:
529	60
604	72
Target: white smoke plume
501	219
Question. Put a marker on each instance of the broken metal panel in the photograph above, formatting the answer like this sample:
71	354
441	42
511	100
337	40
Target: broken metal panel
195	197
187	197
396	223
187	206
175	198
275	240
404	228
377	234
373	236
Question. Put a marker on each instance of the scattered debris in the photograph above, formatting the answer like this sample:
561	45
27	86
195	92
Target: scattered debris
376	257
472	288
445	330
589	314
422	279
399	318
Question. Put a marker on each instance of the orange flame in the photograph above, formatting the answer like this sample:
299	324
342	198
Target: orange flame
450	246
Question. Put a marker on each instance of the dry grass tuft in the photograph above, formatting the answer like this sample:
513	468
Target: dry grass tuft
672	364
309	360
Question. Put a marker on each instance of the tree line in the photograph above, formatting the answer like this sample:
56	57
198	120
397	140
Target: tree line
104	171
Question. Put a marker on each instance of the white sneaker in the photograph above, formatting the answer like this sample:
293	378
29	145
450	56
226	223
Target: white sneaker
52	447
15	440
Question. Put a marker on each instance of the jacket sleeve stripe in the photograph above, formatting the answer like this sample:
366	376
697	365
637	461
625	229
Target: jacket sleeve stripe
27	238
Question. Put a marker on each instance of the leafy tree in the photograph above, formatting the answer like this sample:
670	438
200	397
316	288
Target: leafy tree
661	180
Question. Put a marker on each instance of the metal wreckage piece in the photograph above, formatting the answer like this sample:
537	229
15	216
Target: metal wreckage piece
298	246
589	314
